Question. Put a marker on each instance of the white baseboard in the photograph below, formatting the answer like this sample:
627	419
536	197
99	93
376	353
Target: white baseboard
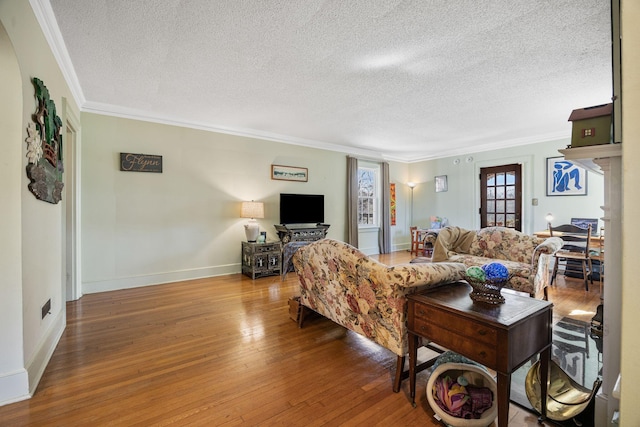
374	250
401	247
606	407
40	359
22	384
158	279
370	251
14	387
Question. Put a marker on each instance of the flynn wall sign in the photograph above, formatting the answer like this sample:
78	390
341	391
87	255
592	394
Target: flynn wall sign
130	162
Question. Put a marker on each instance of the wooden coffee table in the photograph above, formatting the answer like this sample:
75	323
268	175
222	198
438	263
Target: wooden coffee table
501	337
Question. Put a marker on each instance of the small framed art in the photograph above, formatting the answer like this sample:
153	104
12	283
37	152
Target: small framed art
289	173
441	183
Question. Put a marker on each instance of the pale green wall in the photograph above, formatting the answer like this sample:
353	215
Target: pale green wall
461	202
141	228
148	228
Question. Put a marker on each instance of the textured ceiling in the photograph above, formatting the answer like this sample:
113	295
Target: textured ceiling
401	80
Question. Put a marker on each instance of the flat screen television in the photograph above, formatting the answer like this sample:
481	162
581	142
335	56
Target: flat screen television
301	208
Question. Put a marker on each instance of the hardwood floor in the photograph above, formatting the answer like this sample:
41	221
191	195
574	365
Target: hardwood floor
222	351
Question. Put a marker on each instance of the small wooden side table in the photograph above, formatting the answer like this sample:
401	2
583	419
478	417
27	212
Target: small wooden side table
261	259
501	337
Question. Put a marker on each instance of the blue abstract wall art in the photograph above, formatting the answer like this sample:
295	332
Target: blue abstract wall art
565	178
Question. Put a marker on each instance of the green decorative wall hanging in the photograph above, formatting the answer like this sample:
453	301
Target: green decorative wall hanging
44	148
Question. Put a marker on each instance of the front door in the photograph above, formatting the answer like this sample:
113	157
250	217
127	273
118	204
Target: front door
501	196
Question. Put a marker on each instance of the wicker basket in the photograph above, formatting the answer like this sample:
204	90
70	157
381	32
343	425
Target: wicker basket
477	376
487	291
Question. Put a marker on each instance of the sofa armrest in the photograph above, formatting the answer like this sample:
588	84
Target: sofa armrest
549	246
378	302
419	274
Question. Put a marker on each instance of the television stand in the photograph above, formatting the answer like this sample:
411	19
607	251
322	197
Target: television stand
301	233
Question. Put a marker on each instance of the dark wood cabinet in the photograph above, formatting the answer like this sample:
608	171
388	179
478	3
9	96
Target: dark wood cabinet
261	259
288	233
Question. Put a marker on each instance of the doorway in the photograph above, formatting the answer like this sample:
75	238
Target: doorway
501	196
71	208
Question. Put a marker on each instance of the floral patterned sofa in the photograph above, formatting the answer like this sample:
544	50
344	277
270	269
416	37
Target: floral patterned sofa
528	258
361	294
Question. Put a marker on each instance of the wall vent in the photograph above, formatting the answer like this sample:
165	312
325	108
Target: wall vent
46	308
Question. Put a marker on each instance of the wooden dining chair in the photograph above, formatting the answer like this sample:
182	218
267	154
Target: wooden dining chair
417	241
575	252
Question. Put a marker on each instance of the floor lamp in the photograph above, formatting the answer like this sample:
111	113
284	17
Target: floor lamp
411	186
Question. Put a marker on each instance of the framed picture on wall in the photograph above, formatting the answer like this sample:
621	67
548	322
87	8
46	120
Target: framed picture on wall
565	178
441	183
289	173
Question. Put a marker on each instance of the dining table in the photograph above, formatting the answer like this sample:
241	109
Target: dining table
595	241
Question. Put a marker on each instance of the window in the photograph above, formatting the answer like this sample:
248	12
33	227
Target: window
368	195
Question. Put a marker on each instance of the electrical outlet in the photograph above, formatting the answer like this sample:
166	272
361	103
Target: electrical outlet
46	308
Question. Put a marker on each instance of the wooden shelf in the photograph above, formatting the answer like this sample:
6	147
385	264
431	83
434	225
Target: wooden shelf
584	156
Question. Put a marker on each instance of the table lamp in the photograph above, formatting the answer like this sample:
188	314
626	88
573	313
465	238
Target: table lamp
252	210
549	218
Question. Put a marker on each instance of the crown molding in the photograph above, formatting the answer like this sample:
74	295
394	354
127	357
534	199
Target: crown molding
49	25
127	113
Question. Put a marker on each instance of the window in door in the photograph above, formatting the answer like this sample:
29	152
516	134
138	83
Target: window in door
501	196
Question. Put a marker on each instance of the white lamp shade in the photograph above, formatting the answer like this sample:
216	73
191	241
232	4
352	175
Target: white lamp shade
252	210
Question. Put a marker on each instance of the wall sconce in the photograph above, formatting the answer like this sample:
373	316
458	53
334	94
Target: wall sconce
252	210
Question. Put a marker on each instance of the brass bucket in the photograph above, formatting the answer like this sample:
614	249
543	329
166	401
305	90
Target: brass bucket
565	397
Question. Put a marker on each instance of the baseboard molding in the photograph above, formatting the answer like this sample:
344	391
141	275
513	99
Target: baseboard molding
38	363
159	278
602	416
14	387
401	247
370	251
22	384
374	250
